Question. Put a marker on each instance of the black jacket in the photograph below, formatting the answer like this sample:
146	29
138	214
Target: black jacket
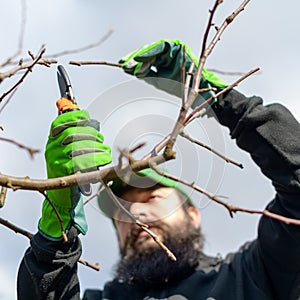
267	268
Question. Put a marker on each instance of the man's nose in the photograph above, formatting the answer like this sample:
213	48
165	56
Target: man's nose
142	211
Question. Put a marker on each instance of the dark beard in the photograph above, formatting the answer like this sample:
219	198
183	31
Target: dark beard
151	267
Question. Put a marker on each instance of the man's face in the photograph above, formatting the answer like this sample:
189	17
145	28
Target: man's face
143	262
151	206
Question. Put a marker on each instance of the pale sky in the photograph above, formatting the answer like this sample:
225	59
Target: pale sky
265	35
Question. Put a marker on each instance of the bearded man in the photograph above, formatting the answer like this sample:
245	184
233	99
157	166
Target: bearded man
266	268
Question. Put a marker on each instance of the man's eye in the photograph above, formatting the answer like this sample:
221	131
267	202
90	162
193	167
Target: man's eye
155	198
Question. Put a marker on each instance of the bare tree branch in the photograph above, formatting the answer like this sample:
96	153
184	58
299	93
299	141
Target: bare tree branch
3	196
82	49
30	150
21	35
204	54
50	58
85	63
169	152
29	69
60	220
231	86
197	112
142	225
20	66
228	160
95	266
229	73
231	208
26	183
8	100
29	235
157	148
15	228
206	51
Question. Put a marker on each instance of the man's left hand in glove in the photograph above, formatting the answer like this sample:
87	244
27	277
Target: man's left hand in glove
160	64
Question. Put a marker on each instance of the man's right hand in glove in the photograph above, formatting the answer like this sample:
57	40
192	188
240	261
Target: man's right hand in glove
163	59
74	144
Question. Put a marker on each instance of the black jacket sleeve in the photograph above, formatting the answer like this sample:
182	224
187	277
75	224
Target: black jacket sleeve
49	269
272	137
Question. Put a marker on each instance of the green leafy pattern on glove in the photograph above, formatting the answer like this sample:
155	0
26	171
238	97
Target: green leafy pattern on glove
74	144
163	59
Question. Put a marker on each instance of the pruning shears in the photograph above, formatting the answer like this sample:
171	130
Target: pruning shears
67	103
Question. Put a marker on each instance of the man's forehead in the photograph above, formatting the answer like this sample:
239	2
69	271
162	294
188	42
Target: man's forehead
131	191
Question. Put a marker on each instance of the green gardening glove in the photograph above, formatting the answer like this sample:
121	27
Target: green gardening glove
163	59
74	144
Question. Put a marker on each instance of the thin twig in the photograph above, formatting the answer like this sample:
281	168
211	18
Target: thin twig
82	49
15	228
181	121
155	237
206	51
169	152
95	266
51	57
29	69
228	160
187	83
63	233
183	76
3	196
29	235
21	35
31	151
21	66
137	147
162	144
8	100
85	63
203	55
231	208
157	148
228	73
142	225
93	196
231	86
118	203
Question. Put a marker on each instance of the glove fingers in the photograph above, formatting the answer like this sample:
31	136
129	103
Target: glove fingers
60	128
128	57
74	134
82	151
143	69
87	154
89	161
69	119
151	52
82	148
146	52
139	62
131	66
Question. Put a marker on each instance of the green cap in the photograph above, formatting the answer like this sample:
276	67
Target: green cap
143	179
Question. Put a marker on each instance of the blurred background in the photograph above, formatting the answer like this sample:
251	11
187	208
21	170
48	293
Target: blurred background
265	35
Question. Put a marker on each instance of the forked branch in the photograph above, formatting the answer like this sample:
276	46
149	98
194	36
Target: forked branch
29	235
